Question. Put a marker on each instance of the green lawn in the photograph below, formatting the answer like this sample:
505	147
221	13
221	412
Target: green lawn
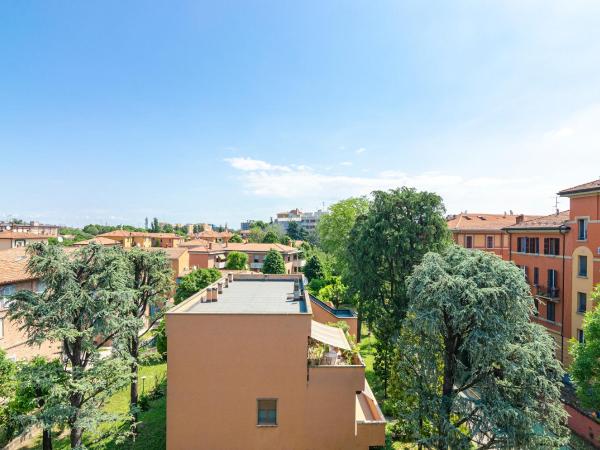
152	434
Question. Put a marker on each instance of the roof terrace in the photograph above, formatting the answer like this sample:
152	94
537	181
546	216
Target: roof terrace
249	294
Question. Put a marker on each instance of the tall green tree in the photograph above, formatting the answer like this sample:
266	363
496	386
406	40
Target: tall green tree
7	388
151	285
314	268
36	401
237	261
586	358
236	238
85	305
481	373
270	237
273	263
194	282
334	292
398	229
155	227
335	228
296	232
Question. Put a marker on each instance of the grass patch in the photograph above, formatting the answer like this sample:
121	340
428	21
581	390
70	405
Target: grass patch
152	429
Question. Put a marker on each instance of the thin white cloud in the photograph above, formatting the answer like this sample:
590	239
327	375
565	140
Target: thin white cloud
358	151
346	163
250	164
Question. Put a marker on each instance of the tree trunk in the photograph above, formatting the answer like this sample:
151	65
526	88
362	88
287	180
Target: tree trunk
47	439
447	388
76	437
133	388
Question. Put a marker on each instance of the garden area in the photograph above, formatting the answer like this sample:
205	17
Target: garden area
115	435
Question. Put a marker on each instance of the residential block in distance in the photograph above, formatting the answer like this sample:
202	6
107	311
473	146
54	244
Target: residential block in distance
250	368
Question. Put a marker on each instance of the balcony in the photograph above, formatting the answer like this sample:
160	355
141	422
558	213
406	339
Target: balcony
547	293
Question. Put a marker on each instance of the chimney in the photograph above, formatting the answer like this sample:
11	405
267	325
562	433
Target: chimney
520	218
210	245
296	289
230	277
226	282
511	212
215	294
220	287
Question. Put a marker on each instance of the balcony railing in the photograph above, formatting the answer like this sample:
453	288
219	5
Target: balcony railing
551	293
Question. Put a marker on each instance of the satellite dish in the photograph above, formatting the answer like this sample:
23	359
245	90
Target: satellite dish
59	239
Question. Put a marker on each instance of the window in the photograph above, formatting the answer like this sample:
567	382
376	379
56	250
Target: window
551	246
582	225
581	302
41	286
5	293
551	311
489	241
19	242
528	245
580	337
526	272
536	312
552	278
469	241
582	272
1	327
536	276
267	411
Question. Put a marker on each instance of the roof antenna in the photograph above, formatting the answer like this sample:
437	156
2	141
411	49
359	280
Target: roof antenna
556	204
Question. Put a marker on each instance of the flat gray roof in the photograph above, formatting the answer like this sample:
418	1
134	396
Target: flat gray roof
254	297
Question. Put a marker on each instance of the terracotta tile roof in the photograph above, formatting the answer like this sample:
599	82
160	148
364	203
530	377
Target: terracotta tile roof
18	235
254	247
13	266
172	252
242	247
194	243
484	222
592	186
99	240
553	221
125	233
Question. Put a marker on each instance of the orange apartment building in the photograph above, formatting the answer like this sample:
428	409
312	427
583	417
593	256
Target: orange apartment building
484	231
14	239
560	257
250	368
142	239
14	277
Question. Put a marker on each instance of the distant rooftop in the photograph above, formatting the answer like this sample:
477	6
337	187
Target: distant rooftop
592	186
479	221
550	222
253	295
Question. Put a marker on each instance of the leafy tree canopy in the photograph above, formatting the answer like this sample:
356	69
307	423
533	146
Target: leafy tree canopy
194	282
237	261
296	232
479	372
314	268
85	304
270	237
273	263
586	358
236	238
334	292
334	229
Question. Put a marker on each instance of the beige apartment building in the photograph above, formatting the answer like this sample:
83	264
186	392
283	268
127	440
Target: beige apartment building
14	277
15	239
142	239
250	368
32	227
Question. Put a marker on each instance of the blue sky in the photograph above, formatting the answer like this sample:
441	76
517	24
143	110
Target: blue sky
218	111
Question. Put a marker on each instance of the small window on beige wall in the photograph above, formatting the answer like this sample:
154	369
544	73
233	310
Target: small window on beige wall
267	411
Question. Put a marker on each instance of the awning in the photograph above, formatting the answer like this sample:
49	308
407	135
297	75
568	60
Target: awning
329	335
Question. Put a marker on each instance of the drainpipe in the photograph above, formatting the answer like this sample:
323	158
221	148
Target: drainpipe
563	230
